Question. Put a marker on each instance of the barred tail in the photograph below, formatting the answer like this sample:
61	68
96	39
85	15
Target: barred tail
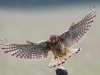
56	61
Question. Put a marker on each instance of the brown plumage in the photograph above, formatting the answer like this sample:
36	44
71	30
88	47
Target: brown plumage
59	45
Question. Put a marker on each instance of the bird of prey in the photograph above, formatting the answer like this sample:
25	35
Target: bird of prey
60	45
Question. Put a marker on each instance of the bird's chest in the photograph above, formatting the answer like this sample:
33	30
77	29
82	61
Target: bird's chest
56	49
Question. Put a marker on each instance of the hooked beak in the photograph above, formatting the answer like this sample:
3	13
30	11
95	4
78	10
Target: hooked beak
53	40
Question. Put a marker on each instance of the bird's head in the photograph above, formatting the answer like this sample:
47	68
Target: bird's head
53	39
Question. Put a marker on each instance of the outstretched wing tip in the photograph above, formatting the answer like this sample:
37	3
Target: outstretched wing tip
78	31
6	40
92	10
29	51
4	43
93	7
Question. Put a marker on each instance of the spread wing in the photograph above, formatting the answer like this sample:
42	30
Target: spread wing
77	31
28	51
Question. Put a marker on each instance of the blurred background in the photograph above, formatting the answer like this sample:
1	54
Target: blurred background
36	20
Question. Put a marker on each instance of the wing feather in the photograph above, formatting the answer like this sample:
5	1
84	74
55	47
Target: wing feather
28	51
76	32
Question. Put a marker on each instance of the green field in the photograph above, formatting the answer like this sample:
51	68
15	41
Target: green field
35	25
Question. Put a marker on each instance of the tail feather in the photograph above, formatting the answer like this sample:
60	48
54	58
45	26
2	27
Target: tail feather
71	52
60	60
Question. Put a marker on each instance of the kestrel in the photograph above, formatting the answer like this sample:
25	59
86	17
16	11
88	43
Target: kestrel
60	45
